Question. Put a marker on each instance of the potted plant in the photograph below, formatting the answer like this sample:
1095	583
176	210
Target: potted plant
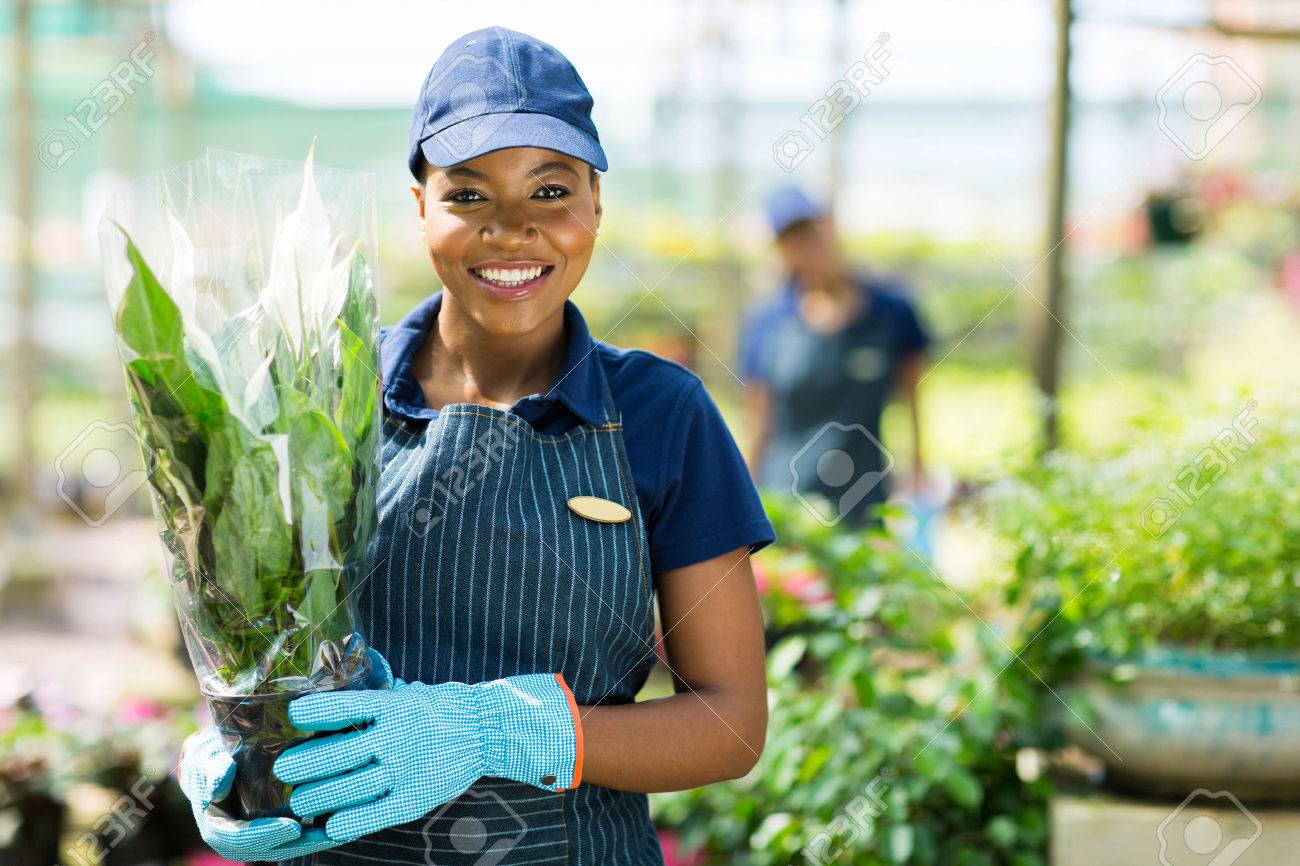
248	338
36	765
1159	590
134	749
884	746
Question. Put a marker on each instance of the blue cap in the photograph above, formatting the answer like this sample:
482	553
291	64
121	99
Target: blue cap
788	205
497	88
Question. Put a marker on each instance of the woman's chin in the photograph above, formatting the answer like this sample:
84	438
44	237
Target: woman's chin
507	318
514	319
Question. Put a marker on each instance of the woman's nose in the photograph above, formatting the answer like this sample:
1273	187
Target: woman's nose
509	231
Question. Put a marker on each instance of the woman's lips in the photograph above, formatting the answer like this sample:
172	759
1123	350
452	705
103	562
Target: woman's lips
511	281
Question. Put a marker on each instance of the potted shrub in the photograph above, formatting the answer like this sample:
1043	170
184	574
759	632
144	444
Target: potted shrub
878	751
248	336
36	762
134	750
1161	593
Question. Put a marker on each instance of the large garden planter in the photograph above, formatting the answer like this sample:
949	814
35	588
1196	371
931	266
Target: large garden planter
1173	721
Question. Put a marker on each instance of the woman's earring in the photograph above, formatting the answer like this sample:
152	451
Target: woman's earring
597	231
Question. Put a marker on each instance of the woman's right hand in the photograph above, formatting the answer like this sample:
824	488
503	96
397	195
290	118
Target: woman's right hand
206	772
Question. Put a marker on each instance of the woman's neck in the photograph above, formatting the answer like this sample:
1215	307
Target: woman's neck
831	306
459	362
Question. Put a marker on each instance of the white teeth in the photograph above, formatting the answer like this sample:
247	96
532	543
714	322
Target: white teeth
508	277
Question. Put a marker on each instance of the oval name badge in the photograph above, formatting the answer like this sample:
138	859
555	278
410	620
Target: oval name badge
866	364
599	510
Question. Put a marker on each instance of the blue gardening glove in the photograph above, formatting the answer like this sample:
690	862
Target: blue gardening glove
425	745
206	773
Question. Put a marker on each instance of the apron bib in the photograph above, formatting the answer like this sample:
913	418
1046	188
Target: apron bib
482	571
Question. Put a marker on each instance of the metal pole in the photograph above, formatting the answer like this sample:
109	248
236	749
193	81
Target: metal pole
24	171
726	180
836	146
1048	336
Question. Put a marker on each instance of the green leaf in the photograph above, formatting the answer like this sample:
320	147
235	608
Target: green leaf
323	601
149	323
1025	859
254	545
224	448
899	841
932	763
148	320
319	454
785	656
963	787
359	310
773	827
1001	831
813	763
355	413
174	444
927	847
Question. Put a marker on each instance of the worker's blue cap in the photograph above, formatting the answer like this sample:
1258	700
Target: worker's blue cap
788	205
497	88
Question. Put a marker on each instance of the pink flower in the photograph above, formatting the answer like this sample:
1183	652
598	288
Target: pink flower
57	713
807	586
673	853
135	710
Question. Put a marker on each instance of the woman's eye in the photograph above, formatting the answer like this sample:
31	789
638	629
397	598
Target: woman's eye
465	196
552	191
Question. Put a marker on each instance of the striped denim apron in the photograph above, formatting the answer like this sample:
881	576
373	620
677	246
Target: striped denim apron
481	571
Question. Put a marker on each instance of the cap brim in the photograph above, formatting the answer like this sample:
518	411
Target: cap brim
476	136
780	225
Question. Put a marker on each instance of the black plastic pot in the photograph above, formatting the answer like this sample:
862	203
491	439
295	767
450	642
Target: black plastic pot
256	729
39	829
164	836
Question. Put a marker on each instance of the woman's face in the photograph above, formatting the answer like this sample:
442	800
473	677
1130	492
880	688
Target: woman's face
510	234
809	252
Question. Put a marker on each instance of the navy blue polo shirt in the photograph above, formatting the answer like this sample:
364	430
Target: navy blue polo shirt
694	490
828	390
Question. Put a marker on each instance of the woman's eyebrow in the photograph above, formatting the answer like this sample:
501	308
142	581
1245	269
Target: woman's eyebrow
462	171
551	166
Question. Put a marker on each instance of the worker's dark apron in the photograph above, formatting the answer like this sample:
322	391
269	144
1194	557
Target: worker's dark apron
482	571
827	393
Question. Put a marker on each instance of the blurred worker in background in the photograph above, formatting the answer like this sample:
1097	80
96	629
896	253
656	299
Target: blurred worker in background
820	361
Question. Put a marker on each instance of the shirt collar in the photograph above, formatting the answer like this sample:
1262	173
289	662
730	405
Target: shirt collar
787	300
580	385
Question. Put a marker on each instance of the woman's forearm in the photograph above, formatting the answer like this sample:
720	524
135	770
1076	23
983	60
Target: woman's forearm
668	744
714	725
759	421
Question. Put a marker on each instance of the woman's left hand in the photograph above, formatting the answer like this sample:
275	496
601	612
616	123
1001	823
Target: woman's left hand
206	772
423	745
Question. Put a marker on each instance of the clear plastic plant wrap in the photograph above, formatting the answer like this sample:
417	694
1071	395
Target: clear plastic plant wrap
248	327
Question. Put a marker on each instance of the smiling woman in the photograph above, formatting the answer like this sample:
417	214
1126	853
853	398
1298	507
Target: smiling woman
539	492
